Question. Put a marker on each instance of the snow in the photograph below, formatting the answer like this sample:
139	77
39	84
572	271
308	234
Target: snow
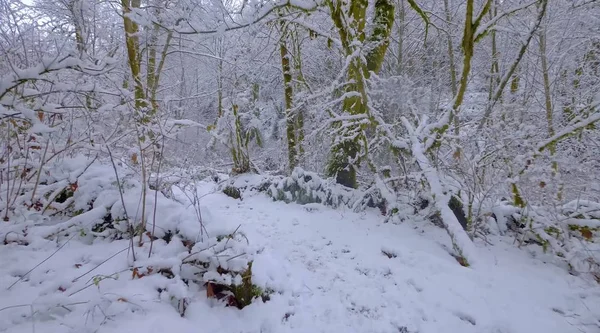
326	268
40	128
184	122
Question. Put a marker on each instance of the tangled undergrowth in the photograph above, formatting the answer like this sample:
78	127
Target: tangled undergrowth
169	243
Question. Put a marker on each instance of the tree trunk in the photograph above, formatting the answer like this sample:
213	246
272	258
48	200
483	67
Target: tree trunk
450	51
288	94
350	18
151	63
468	44
495	68
548	105
133	47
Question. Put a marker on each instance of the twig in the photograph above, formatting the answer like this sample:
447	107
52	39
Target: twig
43	261
8	151
193	254
100	264
39	173
237	256
160	159
105	277
144	184
233	233
112	161
195	201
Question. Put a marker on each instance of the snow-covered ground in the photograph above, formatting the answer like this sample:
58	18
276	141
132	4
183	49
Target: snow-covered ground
327	269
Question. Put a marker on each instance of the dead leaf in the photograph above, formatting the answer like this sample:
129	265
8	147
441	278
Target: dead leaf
210	292
456	154
586	233
231	301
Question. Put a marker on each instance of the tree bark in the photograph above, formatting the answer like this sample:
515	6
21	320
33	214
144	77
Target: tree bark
350	18
288	95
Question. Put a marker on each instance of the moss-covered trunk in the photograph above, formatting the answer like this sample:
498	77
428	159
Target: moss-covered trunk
133	50
468	44
495	68
450	50
350	19
291	122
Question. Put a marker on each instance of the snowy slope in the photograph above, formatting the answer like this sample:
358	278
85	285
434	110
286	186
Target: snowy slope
328	272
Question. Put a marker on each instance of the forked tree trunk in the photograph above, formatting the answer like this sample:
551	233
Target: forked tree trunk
350	19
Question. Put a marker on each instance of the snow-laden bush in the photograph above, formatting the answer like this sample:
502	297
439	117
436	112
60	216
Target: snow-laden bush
176	246
571	232
305	187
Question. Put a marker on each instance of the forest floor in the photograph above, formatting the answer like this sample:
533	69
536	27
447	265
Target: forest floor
333	270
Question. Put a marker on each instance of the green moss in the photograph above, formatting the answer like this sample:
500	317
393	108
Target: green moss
246	292
439	133
384	20
232	192
339	167
545	243
586	232
552	231
518	200
222	237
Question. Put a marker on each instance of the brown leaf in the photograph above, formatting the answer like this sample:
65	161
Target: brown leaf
210	292
456	154
189	244
134	159
77	265
122	299
38	205
231	301
586	233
